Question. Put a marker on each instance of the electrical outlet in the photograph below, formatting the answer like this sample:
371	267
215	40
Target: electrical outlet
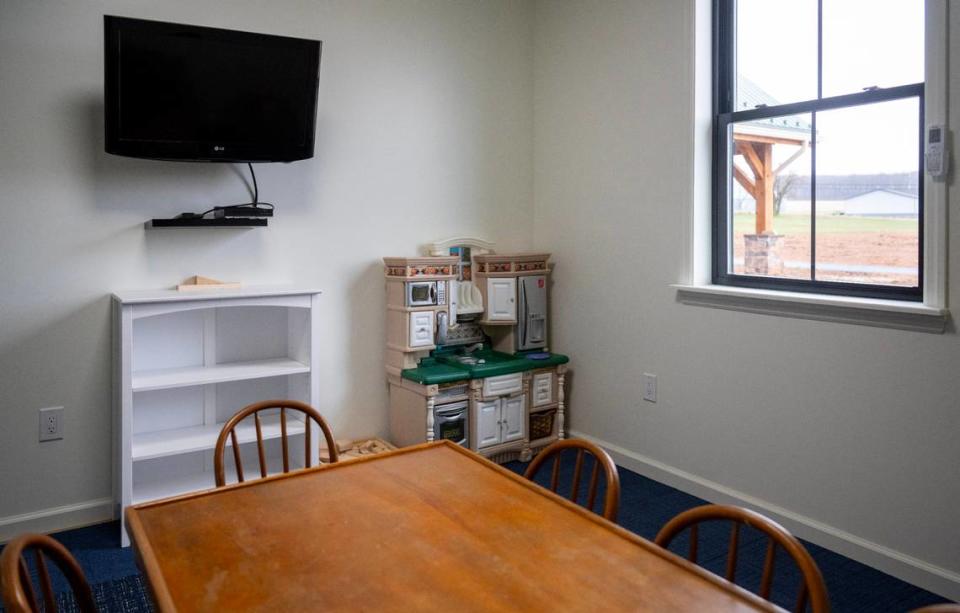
51	424
649	387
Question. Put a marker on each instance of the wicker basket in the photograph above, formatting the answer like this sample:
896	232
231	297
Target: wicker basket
541	424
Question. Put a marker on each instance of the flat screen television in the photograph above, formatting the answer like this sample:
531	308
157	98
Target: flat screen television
182	92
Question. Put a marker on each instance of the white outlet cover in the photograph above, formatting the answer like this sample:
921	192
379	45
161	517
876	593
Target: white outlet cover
649	387
51	424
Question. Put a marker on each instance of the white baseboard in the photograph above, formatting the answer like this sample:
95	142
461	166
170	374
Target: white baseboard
57	518
913	570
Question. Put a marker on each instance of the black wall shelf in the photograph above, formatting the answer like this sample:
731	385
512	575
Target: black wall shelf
229	222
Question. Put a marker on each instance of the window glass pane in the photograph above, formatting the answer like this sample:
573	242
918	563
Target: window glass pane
871	42
776	52
770	201
868	227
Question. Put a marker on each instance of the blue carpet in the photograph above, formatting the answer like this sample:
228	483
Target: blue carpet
645	505
113	576
126	595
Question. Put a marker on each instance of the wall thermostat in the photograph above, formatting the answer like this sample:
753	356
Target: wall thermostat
936	157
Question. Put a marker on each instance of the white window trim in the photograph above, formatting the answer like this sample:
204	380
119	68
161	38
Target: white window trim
696	288
845	309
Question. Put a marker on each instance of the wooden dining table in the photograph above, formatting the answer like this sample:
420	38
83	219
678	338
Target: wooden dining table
430	527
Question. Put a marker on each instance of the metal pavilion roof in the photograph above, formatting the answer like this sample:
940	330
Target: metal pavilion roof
750	95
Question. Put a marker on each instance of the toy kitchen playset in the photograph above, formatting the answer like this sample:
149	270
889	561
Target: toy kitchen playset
467	357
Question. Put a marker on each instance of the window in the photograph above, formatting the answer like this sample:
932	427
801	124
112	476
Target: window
818	132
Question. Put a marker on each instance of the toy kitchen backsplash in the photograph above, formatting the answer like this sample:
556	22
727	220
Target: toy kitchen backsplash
467	350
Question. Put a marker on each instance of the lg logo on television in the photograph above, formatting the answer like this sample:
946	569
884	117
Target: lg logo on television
218	147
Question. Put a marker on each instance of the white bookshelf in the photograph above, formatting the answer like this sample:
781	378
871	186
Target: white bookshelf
175	475
166	378
160	443
186	362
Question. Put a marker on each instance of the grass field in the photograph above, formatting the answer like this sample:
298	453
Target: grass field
884	251
826	224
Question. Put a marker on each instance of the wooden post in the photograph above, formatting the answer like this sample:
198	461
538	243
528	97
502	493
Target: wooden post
764	189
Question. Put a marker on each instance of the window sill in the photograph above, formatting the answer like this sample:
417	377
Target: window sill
862	311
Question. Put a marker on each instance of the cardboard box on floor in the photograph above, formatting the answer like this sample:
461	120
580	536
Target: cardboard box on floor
350	450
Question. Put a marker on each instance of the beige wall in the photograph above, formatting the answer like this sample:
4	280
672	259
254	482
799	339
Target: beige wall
851	428
424	132
431	116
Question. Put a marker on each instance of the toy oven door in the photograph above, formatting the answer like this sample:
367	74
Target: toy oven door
450	423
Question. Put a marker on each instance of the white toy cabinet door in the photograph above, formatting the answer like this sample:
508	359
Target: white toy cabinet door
542	389
421	328
488	423
502	299
513	420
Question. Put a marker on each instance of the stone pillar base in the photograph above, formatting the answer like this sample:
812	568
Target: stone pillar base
762	254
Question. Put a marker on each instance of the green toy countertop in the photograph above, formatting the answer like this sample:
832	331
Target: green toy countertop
445	368
429	371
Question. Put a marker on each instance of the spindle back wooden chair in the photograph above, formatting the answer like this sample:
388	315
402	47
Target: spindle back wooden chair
601	459
16	585
812	587
229	431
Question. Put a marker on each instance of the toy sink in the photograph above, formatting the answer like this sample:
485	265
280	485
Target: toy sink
485	363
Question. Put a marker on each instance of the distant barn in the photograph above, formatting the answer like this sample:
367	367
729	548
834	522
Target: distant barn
877	202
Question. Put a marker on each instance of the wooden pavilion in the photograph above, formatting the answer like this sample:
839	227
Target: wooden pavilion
754	141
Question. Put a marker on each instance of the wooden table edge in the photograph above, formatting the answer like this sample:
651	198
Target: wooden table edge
148	563
164	599
620	531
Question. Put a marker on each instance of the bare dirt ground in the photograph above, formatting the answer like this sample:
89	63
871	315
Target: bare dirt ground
890	250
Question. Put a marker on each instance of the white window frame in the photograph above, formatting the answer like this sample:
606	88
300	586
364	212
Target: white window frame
696	288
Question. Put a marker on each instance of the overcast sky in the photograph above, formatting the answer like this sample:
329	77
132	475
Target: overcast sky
865	43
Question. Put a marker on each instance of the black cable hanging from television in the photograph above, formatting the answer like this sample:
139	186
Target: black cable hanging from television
250	209
256	190
248	214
